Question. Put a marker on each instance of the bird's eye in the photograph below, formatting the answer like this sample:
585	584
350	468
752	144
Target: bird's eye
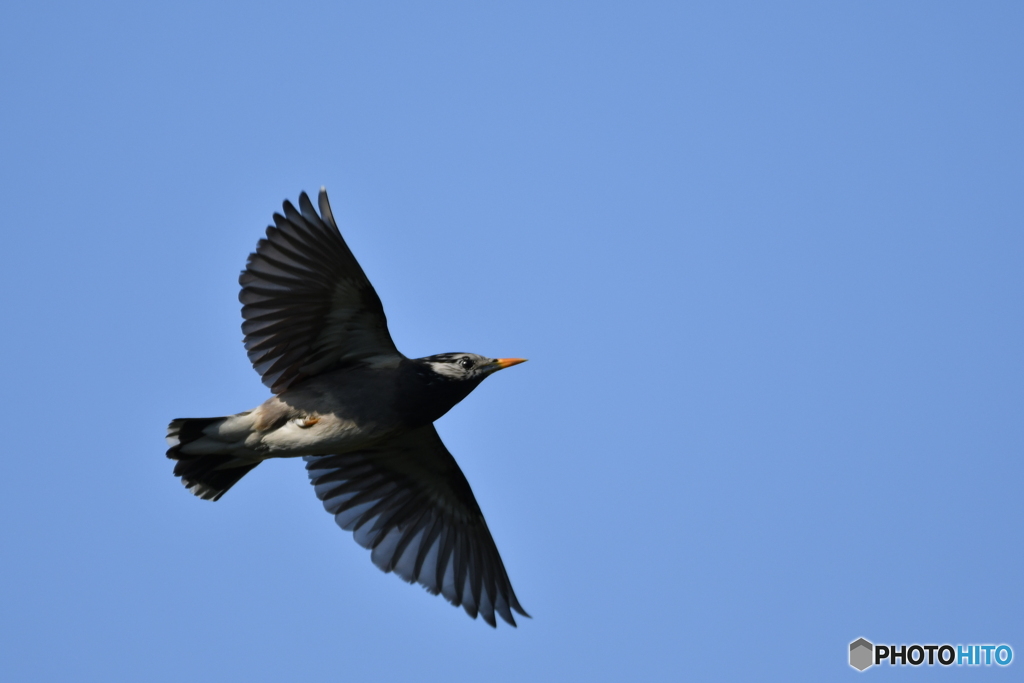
466	363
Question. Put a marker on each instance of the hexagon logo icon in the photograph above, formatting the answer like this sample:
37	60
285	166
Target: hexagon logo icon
862	654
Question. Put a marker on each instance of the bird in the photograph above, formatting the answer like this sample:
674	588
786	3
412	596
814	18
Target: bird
357	411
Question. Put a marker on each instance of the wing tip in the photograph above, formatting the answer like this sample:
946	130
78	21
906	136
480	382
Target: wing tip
325	208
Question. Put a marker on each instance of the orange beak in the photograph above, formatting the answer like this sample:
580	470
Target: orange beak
509	362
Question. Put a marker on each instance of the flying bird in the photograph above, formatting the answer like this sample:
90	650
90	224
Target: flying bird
358	412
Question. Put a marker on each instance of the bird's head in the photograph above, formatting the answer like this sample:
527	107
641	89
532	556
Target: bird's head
467	367
437	383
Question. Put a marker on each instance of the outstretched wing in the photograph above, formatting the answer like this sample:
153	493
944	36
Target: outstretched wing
307	305
407	500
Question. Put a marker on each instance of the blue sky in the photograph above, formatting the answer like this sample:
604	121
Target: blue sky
765	262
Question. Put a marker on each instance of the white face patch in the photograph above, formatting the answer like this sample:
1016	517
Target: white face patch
448	370
452	366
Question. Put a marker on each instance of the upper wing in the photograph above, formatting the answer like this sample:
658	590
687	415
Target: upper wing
408	501
307	304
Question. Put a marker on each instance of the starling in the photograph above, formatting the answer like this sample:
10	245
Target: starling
359	413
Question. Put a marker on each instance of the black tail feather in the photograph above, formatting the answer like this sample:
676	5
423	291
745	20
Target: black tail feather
208	476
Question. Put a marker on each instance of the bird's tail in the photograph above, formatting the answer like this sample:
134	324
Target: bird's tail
204	471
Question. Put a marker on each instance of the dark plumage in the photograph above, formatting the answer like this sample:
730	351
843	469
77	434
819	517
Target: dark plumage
359	412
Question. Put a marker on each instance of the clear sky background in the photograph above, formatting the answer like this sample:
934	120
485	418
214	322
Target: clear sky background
765	260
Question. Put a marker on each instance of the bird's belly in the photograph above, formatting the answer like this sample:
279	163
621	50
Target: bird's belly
318	435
